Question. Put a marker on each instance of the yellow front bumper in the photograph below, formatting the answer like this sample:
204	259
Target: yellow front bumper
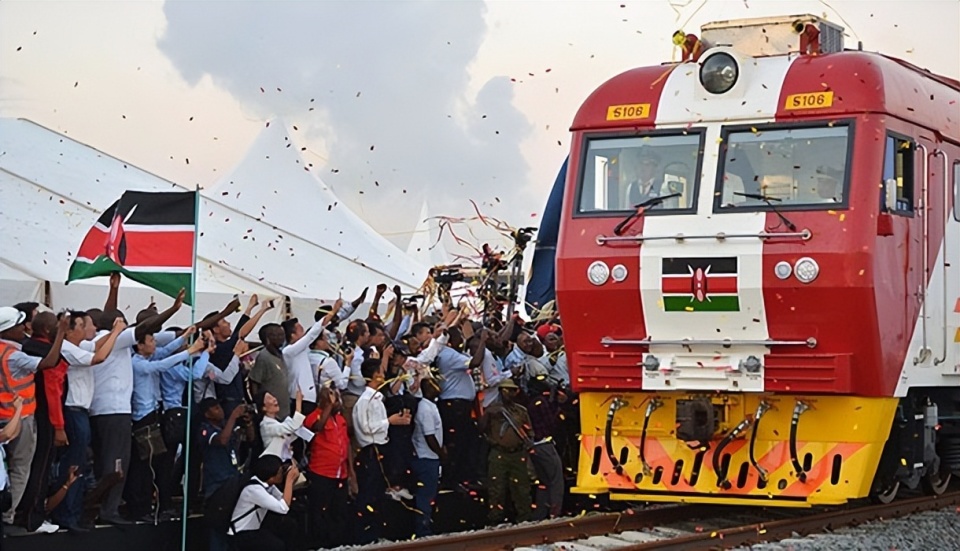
839	442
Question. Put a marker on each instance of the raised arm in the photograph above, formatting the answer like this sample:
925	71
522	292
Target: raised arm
212	322
394	328
223	438
155	323
53	356
374	312
481	351
104	347
248	326
111	303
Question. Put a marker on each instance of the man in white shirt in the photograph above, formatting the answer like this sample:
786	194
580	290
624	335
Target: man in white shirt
81	354
296	356
371	424
111	407
259	497
428	447
323	362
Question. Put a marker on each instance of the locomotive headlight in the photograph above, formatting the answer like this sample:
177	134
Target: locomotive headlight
806	269
719	73
619	273
751	364
598	272
783	269
651	362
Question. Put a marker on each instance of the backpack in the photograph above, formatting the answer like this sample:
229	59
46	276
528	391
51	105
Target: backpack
218	508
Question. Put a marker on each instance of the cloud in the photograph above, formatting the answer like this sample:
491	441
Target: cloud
387	82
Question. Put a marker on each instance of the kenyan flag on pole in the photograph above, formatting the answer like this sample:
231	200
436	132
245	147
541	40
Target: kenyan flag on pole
148	237
700	285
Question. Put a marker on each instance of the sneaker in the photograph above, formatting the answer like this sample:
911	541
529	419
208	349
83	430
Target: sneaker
394	495
46	528
404	493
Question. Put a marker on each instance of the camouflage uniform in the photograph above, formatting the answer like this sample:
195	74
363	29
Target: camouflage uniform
507	462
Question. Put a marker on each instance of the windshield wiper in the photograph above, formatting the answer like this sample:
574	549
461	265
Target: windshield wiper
640	209
769	201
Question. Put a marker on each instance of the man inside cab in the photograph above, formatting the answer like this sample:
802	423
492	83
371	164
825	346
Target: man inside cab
644	179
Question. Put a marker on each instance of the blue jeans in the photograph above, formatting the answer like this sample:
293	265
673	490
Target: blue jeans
77	427
427	473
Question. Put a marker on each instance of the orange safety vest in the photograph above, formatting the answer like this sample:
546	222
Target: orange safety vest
10	387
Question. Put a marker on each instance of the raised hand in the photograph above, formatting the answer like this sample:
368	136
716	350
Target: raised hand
240	348
115	280
119	325
179	300
190	330
64	324
396	290
381	288
233	305
254	300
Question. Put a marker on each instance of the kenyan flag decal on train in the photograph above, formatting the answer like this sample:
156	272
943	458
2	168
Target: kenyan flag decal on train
148	237
700	285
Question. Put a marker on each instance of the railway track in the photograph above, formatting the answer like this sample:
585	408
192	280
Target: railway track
674	527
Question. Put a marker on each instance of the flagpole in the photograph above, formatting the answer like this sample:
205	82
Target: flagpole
193	320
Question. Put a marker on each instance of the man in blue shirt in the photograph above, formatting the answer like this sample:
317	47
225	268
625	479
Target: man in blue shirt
219	443
148	362
219	446
458	395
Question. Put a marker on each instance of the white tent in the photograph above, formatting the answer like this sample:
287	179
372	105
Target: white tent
425	245
277	185
52	188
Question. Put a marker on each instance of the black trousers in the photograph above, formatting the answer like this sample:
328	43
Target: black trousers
111	446
370	496
327	502
462	440
31	512
144	474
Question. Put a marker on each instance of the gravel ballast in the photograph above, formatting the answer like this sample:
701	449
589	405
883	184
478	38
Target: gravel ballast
928	531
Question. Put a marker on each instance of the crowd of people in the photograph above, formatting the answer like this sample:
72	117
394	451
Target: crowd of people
335	416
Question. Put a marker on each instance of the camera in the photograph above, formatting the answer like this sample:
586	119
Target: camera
447	274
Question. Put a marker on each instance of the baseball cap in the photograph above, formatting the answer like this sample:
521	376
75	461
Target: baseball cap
546	329
10	317
507	383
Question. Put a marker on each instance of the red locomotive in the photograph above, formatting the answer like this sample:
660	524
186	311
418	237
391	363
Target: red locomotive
758	272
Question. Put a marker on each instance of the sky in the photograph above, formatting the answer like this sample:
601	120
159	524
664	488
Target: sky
396	103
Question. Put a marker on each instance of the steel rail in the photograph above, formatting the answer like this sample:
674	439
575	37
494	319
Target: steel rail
808	524
562	529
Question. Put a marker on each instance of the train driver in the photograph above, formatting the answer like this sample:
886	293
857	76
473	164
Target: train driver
828	185
643	177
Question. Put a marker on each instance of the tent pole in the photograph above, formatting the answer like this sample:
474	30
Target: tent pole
193	320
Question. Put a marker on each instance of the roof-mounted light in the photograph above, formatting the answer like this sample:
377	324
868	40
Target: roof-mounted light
719	73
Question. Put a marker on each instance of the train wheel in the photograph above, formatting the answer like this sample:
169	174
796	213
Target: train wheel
888	494
937	482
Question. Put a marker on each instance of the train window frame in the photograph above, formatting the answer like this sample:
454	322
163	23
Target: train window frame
725	131
909	175
585	140
956	190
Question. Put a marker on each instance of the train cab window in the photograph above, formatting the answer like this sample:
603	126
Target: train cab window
803	168
897	184
619	173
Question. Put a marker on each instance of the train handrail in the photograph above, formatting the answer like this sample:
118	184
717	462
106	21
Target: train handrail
937	360
804	234
609	341
925	351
